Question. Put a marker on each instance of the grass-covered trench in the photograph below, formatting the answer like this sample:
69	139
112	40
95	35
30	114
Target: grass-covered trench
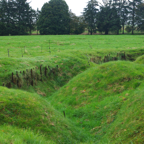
72	89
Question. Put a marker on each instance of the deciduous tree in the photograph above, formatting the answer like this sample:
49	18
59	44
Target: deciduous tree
54	18
77	24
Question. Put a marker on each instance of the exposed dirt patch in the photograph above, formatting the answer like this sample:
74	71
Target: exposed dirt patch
40	93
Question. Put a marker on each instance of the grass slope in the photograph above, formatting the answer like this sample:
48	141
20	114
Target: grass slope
69	66
13	135
26	110
103	104
106	101
129	125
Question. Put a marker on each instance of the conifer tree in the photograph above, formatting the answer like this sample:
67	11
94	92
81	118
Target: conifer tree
3	17
124	13
108	19
140	17
16	17
133	4
24	16
90	13
122	10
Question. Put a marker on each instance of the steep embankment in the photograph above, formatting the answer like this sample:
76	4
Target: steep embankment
107	101
26	110
140	60
63	66
49	80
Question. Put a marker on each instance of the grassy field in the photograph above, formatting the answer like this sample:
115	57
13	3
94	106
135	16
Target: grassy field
72	89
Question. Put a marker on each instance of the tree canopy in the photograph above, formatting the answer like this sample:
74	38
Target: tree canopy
77	24
54	18
108	19
16	17
140	16
132	12
90	13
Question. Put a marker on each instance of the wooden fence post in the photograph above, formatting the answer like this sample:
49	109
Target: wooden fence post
45	71
12	77
17	74
105	59
124	56
57	67
31	73
40	69
32	83
17	79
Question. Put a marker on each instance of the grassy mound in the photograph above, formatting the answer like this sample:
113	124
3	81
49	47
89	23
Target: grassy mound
12	135
140	60
27	110
128	126
97	100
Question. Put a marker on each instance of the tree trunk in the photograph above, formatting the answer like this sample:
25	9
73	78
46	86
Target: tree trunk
123	28
133	18
91	31
106	32
30	31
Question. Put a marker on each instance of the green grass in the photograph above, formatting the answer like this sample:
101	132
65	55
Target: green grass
10	134
27	110
140	60
103	103
60	44
97	98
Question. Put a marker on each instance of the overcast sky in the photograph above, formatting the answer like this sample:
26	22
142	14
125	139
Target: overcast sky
76	6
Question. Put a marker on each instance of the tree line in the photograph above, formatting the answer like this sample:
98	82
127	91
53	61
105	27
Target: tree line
18	18
114	15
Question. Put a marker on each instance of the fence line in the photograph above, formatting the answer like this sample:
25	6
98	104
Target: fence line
30	76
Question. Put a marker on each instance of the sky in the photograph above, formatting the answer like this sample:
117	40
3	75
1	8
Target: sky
76	6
